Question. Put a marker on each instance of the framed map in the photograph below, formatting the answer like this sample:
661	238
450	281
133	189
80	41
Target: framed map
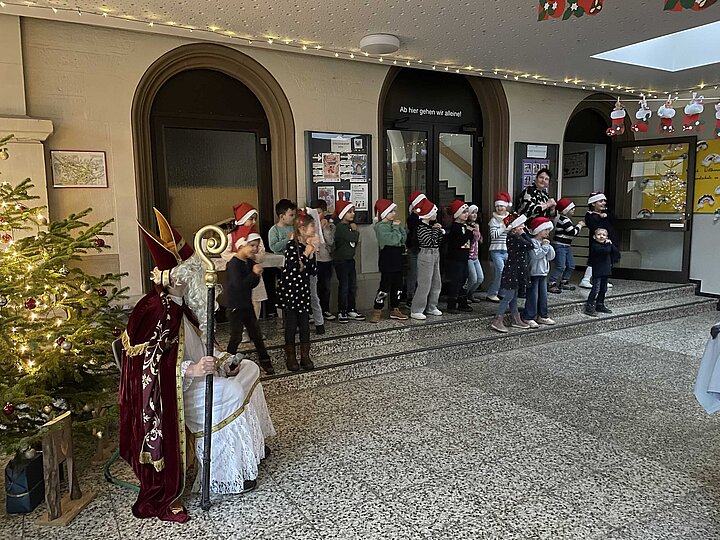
78	169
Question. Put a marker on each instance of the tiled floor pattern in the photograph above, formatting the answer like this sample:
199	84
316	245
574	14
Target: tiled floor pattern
593	438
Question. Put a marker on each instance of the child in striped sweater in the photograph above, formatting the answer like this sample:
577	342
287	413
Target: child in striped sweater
498	246
429	282
565	231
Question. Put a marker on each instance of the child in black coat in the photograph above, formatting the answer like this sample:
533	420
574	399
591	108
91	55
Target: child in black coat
603	254
459	241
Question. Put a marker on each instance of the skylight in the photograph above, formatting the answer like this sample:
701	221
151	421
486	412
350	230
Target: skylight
674	52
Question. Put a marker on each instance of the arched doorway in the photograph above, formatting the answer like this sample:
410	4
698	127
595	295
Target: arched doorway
207	117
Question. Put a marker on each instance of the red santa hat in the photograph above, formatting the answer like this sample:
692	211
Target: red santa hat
426	209
596	196
169	248
415	198
243	212
342	208
383	207
503	199
540	224
512	221
565	205
473	208
457	207
243	235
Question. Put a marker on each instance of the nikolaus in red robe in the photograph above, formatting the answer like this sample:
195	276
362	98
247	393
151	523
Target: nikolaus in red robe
152	426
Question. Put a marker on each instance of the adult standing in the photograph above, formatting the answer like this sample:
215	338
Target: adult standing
535	201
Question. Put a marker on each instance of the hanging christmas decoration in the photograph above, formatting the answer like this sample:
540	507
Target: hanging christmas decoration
8	409
116	332
63	271
666	112
30	304
47	409
568	8
99	242
102	292
717	120
680	5
86	287
618	120
4	154
550	9
671	190
6	238
66	346
642	117
693	110
59	341
3	301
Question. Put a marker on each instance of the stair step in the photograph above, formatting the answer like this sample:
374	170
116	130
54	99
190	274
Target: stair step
440	343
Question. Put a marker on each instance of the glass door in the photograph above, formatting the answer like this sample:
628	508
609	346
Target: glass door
406	167
455	169
653	207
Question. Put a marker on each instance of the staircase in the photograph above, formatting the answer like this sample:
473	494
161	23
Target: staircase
362	349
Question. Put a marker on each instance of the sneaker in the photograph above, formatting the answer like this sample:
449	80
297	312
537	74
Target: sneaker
610	285
545	320
600	308
245	337
342	318
499	327
493	298
465	309
519	323
590	311
434	311
567	287
418	316
355	316
375	316
585	284
398	315
531	324
555	288
328	316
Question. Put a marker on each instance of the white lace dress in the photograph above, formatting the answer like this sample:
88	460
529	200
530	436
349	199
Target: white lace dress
241	420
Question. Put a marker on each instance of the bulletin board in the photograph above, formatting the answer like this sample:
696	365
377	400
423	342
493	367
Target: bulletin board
339	167
529	159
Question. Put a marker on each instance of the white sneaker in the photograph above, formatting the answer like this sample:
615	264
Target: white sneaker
585	284
546	320
609	285
418	316
434	311
493	298
245	337
532	324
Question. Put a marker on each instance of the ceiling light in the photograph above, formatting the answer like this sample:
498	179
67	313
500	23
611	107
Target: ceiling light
352	55
380	44
304	47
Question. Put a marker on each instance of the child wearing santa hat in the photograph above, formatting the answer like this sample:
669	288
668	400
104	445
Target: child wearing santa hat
429	236
540	255
475	272
596	217
242	277
565	231
498	246
391	236
514	272
346	240
459	239
416	197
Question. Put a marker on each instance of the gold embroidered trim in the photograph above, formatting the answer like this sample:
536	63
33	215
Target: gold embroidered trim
132	350
146	458
181	412
230	419
221	360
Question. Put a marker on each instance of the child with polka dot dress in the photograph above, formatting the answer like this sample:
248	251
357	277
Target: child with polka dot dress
294	293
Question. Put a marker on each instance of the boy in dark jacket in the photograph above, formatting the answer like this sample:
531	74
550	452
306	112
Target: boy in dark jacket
346	240
242	276
459	241
603	254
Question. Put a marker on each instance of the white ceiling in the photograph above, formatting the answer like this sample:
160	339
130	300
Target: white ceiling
488	35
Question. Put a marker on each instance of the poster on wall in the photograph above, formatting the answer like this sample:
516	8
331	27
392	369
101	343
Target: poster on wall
575	165
339	168
530	168
707	177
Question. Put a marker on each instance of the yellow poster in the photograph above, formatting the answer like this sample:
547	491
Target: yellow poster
707	177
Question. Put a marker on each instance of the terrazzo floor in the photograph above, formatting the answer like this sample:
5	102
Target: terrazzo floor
593	438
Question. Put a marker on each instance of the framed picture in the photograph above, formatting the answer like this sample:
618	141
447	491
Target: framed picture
78	169
575	165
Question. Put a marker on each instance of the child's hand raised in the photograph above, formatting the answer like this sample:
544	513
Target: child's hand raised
603	215
545	242
581	223
257	269
396	222
353	226
437	226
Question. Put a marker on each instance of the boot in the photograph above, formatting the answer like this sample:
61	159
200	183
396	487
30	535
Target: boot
590	310
498	325
398	315
266	366
463	305
290	360
305	361
600	308
452	305
319	329
517	322
376	315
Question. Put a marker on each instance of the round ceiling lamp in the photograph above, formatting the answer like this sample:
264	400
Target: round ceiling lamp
380	44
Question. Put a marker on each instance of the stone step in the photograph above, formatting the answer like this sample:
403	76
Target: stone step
440	343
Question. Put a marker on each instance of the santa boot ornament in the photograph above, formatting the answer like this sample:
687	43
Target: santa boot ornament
693	110
717	121
666	112
618	120
642	117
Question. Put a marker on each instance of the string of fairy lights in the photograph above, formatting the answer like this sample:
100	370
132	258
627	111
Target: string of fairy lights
105	16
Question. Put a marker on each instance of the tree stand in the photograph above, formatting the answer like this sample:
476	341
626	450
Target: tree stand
57	445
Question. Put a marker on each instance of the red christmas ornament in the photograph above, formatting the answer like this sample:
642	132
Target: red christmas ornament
30	303
6	238
8	409
99	242
116	332
101	292
2	219
59	341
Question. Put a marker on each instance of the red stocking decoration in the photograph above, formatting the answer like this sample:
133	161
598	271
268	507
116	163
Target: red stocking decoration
693	110
679	5
618	120
666	112
641	117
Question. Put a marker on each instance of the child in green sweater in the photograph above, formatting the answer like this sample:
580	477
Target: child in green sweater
346	240
391	236
278	237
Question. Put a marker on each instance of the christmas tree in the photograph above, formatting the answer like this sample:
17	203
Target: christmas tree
57	323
